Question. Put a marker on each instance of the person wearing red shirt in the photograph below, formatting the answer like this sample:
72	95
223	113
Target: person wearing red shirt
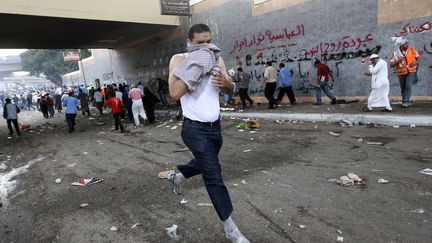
116	108
323	74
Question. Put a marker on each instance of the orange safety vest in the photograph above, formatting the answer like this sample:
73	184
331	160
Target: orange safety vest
405	67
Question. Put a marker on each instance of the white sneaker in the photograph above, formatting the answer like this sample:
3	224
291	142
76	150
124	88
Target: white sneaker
236	237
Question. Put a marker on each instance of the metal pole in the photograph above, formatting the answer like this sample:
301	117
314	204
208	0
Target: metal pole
82	70
112	66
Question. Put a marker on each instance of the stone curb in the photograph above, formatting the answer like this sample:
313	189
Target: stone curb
391	120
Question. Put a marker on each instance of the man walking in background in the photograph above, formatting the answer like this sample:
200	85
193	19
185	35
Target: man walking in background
244	79
405	60
10	113
71	103
269	83
322	79
285	84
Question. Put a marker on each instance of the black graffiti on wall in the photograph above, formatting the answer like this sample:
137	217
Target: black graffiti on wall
426	48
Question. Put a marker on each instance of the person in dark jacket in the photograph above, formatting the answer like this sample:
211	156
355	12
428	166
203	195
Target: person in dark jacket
149	101
43	104
10	113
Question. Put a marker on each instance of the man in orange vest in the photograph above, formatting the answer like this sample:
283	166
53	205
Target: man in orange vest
405	60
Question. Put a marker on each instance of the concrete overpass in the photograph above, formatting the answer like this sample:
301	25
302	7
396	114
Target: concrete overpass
8	65
50	24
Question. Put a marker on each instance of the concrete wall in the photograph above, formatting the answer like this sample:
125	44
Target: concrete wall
346	30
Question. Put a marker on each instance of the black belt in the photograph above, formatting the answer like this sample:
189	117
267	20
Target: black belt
204	124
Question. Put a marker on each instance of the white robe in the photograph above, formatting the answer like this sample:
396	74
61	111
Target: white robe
380	86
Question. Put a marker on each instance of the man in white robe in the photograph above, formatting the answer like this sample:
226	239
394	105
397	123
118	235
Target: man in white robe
380	84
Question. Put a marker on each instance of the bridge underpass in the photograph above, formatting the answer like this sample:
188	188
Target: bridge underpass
81	24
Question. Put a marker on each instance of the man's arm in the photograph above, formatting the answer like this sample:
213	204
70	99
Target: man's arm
265	78
177	88
223	81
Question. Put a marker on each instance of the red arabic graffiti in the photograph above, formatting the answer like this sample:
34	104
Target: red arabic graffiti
344	43
408	29
269	35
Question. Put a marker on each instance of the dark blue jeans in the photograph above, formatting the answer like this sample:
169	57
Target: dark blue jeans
205	143
70	119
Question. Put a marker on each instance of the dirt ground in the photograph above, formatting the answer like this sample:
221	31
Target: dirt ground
280	189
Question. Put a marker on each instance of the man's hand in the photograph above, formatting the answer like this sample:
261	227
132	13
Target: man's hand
224	83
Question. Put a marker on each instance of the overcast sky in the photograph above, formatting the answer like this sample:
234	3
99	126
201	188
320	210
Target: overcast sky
11	52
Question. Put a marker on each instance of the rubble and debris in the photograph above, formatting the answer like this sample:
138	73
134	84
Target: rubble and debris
83	205
426	171
227	109
135	225
316	126
181	150
58	180
247	150
360	140
412	126
172	232
204	205
164	174
375	143
334	134
87	182
418	210
396	126
251	124
243	182
280	121
350	180
184	201
382	181
339	231
340	239
302	226
114	228
174	127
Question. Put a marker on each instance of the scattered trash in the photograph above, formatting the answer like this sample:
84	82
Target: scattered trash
184	201
396	126
252	139
83	205
247	150
427	171
85	153
227	109
71	165
87	182
92	118
334	134
251	124
279	121
347	122
25	126
360	140
412	126
172	232
239	126
135	225
114	228
164	174
3	167
382	181
174	127
241	130
377	170
204	205
235	184
375	143
339	231
252	132
350	180
316	126
302	226
243	182
58	180
418	210
181	150
340	239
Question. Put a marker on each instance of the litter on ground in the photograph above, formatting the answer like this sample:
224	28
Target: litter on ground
86	182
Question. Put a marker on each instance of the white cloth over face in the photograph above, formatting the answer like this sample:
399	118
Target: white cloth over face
380	86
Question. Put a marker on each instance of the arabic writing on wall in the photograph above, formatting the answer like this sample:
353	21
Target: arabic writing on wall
412	29
269	35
